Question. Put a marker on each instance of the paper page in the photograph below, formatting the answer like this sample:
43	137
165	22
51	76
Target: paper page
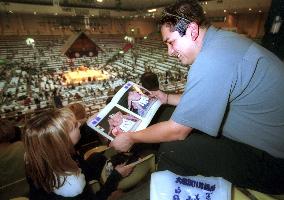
131	109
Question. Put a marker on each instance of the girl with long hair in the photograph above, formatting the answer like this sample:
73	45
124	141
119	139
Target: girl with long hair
54	170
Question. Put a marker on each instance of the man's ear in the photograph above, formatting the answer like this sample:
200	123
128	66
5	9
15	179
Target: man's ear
192	31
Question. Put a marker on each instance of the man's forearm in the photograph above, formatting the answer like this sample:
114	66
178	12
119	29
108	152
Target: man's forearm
161	132
173	99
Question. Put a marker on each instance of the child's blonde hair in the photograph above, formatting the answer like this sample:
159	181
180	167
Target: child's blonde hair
49	148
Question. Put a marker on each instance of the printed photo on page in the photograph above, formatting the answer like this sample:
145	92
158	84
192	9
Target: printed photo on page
131	109
118	120
137	100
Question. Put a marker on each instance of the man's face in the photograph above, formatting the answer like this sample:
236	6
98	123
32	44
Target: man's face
180	47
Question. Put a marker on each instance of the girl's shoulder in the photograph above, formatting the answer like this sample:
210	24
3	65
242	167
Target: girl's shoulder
73	185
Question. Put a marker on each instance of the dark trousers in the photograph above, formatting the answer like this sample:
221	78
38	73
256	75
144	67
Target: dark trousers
241	164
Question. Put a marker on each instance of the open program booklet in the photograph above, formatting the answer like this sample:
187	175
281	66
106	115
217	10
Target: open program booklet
131	109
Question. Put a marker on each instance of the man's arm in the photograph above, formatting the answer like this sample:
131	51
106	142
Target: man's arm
171	99
161	132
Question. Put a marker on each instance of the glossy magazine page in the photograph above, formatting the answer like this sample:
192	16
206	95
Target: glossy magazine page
131	109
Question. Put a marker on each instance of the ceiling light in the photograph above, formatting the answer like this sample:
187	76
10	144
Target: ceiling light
259	11
235	12
10	11
152	10
55	13
34	12
250	9
100	1
204	12
225	11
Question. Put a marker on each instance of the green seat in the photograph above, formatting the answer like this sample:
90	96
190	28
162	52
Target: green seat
19	188
142	167
20	198
247	194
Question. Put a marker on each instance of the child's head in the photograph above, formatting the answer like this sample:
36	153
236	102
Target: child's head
79	111
150	81
48	140
7	131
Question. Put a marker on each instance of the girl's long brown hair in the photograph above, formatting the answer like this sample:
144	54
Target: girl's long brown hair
49	148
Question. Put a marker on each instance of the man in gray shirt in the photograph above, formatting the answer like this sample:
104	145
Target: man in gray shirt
231	114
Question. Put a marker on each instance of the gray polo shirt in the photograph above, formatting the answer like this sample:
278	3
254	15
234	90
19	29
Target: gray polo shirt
235	87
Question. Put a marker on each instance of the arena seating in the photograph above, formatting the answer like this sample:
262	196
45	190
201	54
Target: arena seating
31	74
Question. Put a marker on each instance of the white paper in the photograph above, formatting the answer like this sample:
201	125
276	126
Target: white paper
131	109
166	185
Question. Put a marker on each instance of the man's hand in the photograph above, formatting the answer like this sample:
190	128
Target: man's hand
124	170
122	142
163	97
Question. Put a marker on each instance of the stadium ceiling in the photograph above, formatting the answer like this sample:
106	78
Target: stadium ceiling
128	7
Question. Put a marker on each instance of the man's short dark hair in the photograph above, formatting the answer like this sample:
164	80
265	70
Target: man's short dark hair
184	11
150	81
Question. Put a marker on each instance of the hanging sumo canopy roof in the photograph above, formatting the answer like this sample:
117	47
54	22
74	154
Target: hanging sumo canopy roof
79	45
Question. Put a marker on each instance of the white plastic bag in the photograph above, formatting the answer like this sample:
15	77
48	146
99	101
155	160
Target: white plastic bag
166	185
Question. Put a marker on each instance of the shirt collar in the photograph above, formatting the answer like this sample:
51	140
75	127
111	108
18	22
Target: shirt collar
210	33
